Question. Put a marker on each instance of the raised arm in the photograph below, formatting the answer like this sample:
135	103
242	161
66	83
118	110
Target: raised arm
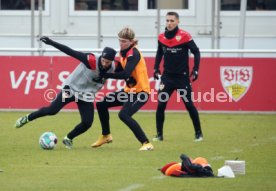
76	54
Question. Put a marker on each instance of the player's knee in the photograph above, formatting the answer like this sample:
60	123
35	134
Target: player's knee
123	115
87	124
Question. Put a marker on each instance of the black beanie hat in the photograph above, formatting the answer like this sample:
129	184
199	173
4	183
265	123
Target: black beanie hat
109	53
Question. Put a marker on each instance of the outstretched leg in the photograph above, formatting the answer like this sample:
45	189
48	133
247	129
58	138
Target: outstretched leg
52	109
128	110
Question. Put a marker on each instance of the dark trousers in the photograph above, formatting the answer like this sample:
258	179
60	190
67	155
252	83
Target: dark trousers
86	110
131	104
167	86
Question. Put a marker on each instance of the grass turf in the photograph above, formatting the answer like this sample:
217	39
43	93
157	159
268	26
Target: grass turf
120	166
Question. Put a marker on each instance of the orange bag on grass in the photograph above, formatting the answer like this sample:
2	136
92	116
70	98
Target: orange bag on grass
198	167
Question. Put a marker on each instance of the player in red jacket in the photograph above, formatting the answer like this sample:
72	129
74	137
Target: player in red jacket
173	46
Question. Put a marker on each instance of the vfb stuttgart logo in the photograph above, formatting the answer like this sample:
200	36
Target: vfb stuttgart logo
236	80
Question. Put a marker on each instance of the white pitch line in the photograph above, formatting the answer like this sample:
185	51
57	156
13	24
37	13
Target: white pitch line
159	177
217	158
254	144
132	187
236	150
51	166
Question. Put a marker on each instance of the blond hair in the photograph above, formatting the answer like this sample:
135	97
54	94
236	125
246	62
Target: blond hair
127	33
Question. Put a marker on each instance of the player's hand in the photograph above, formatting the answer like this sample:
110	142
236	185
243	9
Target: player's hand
131	82
102	73
194	75
46	40
98	80
156	74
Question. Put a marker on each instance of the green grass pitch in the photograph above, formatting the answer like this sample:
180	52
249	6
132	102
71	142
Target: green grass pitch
119	166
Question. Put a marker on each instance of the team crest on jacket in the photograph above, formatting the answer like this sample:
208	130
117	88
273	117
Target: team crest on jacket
178	37
236	80
161	86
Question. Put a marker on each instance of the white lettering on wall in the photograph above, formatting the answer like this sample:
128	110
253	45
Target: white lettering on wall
40	80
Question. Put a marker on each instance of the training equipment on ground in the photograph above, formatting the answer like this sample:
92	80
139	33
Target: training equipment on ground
226	172
238	166
198	167
48	140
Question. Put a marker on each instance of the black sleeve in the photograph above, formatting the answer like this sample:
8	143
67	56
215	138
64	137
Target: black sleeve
132	61
76	54
159	56
119	67
195	51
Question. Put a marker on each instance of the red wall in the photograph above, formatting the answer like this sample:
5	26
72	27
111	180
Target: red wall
26	80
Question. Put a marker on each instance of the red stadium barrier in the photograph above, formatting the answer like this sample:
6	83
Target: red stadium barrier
224	84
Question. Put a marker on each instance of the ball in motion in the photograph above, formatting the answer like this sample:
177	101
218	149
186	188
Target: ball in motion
48	140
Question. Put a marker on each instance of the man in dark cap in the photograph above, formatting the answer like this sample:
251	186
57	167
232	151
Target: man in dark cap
109	53
80	87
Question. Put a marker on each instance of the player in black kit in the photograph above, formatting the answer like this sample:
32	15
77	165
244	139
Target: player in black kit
174	45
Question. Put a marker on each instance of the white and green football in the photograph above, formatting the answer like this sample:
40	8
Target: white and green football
48	140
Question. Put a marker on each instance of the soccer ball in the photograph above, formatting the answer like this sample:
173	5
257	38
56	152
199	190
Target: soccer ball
48	140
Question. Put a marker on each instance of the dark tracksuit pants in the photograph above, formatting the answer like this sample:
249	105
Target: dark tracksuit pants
168	84
131	104
86	110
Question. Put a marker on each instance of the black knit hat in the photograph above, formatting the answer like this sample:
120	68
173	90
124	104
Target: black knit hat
109	53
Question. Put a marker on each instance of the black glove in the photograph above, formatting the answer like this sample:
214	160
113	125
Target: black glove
130	82
46	40
98	80
156	74
194	74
